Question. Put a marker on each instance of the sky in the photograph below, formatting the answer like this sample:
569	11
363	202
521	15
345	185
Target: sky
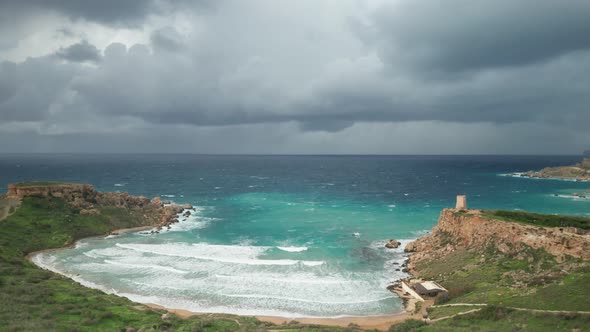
295	77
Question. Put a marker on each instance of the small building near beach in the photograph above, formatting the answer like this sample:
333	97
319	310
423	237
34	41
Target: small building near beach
423	289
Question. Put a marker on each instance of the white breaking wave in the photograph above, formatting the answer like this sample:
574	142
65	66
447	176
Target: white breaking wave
293	249
293	299
237	279
146	266
219	253
195	220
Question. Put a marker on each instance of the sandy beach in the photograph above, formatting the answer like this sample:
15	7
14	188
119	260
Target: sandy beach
382	322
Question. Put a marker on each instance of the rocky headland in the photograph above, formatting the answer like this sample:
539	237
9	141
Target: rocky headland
477	231
513	258
85	200
577	172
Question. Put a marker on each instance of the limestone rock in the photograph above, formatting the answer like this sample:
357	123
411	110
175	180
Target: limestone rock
474	232
392	244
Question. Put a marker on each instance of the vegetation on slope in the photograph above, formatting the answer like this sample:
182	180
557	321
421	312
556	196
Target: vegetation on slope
544	220
32	299
530	289
498	318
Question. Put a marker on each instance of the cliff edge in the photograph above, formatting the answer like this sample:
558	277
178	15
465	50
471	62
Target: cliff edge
511	258
477	231
85	200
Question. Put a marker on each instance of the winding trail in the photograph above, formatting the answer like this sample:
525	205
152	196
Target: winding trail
482	305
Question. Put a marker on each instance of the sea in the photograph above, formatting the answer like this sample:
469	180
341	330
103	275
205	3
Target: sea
290	236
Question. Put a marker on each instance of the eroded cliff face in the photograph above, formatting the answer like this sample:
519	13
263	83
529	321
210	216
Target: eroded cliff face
473	231
88	201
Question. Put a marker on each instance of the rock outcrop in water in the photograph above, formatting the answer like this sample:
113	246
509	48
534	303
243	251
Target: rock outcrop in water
392	244
88	201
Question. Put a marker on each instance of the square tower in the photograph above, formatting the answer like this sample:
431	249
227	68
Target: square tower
461	202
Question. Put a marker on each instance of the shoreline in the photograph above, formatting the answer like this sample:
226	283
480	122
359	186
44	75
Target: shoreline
379	322
522	175
116	232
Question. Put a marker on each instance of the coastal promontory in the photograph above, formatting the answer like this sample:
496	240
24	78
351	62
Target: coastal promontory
576	172
505	264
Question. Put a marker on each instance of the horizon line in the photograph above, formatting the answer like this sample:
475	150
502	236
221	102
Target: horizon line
290	154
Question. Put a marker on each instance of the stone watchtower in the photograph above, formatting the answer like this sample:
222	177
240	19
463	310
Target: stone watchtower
461	202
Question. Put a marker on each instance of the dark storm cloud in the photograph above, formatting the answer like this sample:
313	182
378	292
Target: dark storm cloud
452	64
104	11
110	12
460	35
30	89
80	52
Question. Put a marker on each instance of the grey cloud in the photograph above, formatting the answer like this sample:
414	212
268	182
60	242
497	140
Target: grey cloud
80	52
458	35
30	89
167	39
243	67
110	12
128	12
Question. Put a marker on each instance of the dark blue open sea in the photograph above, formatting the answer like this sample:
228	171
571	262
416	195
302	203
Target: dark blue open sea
282	235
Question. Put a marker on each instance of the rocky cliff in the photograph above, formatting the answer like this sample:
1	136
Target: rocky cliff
474	231
86	200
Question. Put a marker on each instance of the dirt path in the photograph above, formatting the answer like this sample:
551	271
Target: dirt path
513	308
457	314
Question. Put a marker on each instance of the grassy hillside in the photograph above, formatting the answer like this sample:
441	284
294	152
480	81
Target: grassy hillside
528	279
32	299
544	220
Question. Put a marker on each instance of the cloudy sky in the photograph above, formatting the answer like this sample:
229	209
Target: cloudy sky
305	76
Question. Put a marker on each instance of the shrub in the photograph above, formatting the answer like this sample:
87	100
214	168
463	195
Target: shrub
442	298
408	326
491	312
458	291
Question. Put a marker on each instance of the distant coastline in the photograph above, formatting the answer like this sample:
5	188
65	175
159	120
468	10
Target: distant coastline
579	172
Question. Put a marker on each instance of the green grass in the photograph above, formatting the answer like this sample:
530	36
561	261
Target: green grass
438	312
32	299
494	319
487	276
545	220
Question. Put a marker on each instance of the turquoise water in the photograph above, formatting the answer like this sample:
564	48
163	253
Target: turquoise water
282	235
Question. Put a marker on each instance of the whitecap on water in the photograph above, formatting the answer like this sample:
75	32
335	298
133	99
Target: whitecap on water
293	249
236	279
